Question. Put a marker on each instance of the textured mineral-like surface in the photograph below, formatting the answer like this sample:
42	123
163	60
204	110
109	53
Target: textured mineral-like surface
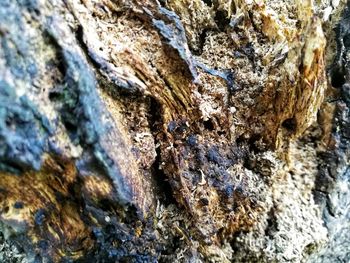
174	131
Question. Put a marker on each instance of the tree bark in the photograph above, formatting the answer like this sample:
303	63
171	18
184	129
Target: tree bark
175	131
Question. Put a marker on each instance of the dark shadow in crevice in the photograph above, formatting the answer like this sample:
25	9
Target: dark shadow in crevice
221	19
337	77
209	125
272	225
290	124
162	3
208	2
162	189
201	41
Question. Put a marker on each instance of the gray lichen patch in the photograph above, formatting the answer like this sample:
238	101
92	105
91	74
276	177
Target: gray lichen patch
9	253
291	229
23	132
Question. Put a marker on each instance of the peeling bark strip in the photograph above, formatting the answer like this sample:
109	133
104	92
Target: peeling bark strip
162	131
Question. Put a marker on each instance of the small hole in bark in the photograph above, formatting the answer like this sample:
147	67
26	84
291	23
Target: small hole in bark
162	186
272	225
202	38
289	124
253	142
8	122
71	127
337	78
131	215
162	3
18	205
222	19
6	209
241	140
208	2
106	205
208	125
54	96
298	24
220	133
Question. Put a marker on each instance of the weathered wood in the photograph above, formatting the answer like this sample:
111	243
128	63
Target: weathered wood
149	131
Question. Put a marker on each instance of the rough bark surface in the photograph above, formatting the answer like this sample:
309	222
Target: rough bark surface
174	131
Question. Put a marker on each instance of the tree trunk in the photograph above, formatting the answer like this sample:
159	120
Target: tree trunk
175	131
